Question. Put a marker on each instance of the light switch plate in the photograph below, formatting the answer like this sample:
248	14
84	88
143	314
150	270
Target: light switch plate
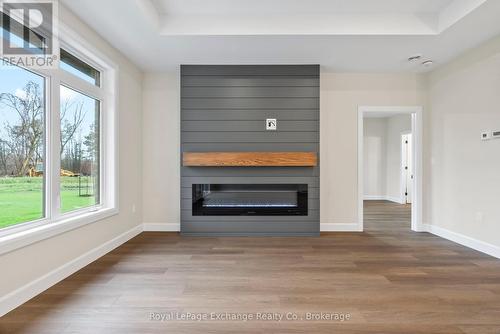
271	124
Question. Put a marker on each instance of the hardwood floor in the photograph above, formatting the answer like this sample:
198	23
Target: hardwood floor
389	280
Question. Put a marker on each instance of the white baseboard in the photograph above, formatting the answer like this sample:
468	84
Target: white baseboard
161	227
324	227
394	199
30	290
374	197
464	240
382	198
333	227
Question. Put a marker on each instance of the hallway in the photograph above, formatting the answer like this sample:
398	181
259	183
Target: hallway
387	217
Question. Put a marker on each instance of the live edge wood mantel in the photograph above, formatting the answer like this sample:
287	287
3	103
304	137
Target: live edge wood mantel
250	159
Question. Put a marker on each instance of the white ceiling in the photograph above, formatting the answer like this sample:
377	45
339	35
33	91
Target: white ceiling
341	35
245	7
301	17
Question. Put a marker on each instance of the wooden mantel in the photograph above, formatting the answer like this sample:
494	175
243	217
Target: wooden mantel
250	159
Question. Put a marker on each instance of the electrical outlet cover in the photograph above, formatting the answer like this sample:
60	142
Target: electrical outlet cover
271	124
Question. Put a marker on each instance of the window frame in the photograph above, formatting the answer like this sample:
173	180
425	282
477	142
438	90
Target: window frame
46	138
98	206
54	221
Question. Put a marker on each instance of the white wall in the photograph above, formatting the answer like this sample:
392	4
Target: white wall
375	158
464	180
26	265
161	151
341	94
395	126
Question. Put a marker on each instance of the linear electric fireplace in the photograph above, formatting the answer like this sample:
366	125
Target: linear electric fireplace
249	200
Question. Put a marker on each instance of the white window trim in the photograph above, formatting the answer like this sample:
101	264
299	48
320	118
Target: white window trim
54	223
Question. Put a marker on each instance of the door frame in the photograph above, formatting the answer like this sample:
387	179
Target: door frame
417	131
402	173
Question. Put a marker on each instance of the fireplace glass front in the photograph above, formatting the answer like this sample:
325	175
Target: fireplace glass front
249	199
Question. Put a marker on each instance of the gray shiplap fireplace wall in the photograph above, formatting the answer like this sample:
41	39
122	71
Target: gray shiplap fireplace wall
224	108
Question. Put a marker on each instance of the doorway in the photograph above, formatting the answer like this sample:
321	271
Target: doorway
403	184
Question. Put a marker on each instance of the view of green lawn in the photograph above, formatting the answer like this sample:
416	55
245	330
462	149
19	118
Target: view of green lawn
22	147
21	198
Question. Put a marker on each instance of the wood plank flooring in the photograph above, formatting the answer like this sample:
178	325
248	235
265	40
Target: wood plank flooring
388	279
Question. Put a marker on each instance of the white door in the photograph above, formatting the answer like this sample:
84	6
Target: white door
407	167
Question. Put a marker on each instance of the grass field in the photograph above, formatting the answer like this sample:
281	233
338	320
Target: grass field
21	198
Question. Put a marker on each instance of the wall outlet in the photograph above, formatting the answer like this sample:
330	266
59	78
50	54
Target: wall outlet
271	124
486	135
133	208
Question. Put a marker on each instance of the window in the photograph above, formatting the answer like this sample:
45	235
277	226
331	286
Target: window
22	146
57	148
79	68
79	150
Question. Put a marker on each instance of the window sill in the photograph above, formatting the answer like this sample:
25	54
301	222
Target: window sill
11	242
